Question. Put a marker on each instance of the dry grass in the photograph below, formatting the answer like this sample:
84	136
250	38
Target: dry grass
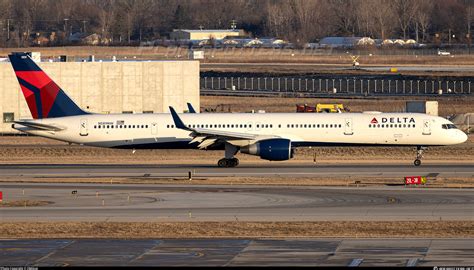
342	181
247	55
23	203
363	229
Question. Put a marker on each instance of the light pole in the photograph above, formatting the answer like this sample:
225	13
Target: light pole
84	24
65	25
8	29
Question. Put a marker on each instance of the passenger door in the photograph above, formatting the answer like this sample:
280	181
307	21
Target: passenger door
84	131
426	127
348	129
154	128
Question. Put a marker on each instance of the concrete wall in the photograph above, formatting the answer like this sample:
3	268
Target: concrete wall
110	87
203	34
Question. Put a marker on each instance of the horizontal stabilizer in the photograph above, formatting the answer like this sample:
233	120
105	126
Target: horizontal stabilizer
39	126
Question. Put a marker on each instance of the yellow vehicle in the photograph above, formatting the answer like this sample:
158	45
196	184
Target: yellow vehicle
329	108
321	108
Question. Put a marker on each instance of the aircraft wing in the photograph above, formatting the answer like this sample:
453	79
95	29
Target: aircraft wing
208	137
39	126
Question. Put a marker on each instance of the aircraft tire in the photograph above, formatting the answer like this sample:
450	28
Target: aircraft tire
223	163
417	162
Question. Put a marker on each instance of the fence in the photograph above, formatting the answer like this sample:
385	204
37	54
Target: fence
341	86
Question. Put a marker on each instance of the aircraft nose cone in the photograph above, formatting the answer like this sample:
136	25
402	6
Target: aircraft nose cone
462	137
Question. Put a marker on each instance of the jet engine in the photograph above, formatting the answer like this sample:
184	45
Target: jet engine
270	149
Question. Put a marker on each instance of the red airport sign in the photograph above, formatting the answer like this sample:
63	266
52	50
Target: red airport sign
415	180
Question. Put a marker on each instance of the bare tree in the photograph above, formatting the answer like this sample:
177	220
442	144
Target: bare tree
344	16
405	11
384	18
422	17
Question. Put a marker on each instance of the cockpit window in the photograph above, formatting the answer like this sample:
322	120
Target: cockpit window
448	126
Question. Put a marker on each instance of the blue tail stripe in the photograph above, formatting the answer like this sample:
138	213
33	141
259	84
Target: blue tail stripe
21	62
63	106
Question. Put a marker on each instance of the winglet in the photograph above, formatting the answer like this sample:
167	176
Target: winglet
191	108
177	121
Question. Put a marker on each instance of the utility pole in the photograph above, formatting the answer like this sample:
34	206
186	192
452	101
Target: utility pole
65	25
449	38
84	28
8	29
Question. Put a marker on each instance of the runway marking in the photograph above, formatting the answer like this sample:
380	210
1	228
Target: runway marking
147	251
412	262
54	251
355	262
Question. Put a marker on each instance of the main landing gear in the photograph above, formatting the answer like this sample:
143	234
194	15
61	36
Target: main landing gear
419	155
229	160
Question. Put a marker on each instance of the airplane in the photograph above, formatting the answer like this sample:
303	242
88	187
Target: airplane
272	136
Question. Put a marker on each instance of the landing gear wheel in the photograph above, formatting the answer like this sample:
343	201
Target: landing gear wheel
235	162
419	155
417	162
222	163
232	162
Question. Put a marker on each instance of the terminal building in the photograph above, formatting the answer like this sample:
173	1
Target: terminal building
108	87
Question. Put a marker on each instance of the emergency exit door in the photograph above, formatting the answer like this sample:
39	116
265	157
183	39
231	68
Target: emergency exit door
154	128
84	131
426	127
348	129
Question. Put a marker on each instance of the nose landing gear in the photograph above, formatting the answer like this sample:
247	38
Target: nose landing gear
419	155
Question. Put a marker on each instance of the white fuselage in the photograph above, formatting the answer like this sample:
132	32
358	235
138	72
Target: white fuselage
303	129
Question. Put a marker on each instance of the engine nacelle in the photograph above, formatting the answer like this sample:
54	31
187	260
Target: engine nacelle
271	149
